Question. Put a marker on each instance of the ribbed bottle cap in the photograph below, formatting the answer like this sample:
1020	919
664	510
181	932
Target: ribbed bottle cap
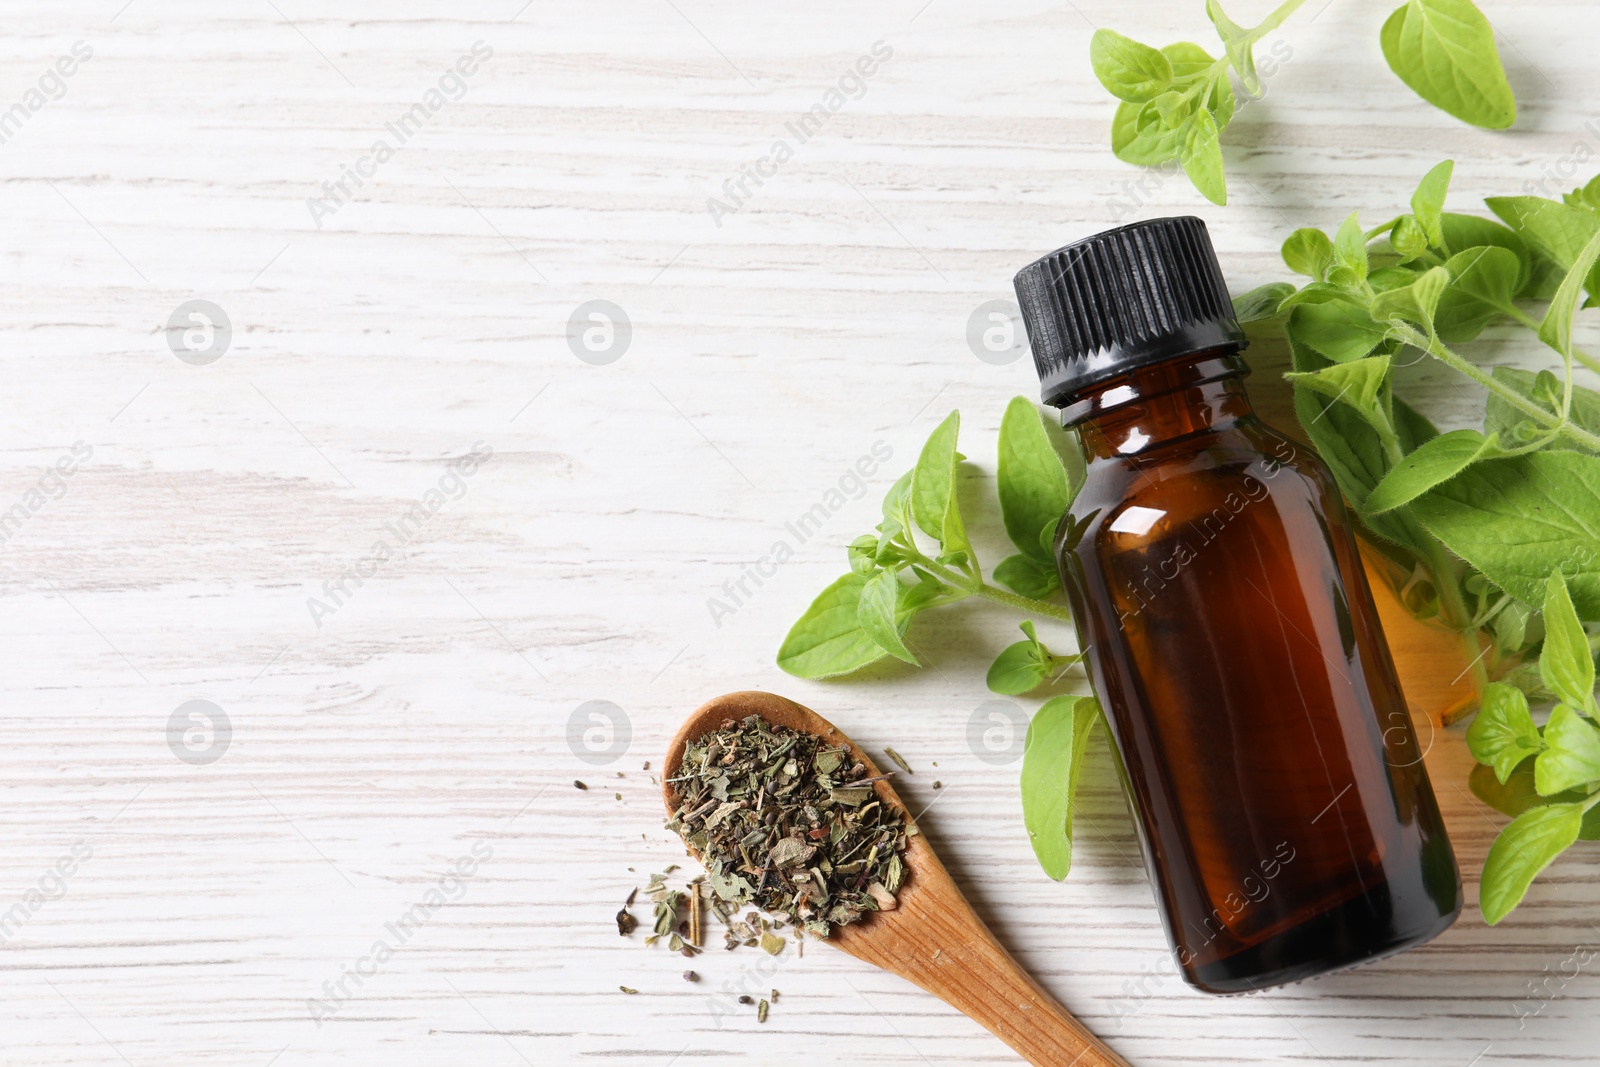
1124	299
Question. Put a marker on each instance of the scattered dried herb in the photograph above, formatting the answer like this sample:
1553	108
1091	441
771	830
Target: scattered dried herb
578	785
627	989
761	1011
667	913
790	823
690	976
899	760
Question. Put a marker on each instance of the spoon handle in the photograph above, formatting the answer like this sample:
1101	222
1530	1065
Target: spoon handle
946	949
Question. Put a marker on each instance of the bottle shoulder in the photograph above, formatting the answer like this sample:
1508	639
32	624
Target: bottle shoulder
1228	469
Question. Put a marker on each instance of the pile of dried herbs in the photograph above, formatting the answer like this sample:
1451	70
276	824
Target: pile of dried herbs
790	823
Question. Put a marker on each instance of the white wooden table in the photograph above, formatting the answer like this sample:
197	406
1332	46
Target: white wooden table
399	769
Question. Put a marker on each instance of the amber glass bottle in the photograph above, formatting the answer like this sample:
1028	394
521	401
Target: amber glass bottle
1283	806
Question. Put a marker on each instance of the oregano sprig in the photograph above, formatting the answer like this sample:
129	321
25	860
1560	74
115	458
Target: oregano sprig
1176	101
1564	757
894	575
1495	532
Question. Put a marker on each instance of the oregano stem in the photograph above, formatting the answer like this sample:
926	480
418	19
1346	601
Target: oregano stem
1202	85
978	587
1438	351
1024	604
1274	20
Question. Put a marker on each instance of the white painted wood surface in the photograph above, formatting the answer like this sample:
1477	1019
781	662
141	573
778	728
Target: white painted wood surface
427	717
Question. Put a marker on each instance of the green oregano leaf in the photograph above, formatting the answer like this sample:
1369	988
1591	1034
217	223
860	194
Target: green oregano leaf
1444	50
1028	577
1427	203
955	548
1051	768
1357	383
1556	231
1024	666
1518	519
1408	238
1349	253
933	478
1317	293
1566	664
1483	286
1138	140
1503	734
1202	157
1436	461
1173	111
1556	328
1309	251
897	503
1262	303
1031	481
1571	758
1129	70
1188	60
1338	329
1523	849
877	613
828	640
1414	303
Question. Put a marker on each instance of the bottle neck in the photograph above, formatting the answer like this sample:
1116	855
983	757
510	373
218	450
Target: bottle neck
1154	405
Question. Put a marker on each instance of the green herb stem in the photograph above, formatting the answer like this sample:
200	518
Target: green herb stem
1024	604
979	587
1202	85
1566	429
1274	20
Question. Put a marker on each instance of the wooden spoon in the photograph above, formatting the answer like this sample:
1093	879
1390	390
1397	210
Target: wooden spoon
932	938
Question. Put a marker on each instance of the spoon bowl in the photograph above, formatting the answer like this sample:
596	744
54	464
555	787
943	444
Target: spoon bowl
932	937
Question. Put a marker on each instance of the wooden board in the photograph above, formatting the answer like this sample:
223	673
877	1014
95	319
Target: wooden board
401	761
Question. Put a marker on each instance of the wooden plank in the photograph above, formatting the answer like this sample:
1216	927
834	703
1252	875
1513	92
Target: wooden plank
428	714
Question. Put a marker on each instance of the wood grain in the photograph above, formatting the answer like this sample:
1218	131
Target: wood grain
430	713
